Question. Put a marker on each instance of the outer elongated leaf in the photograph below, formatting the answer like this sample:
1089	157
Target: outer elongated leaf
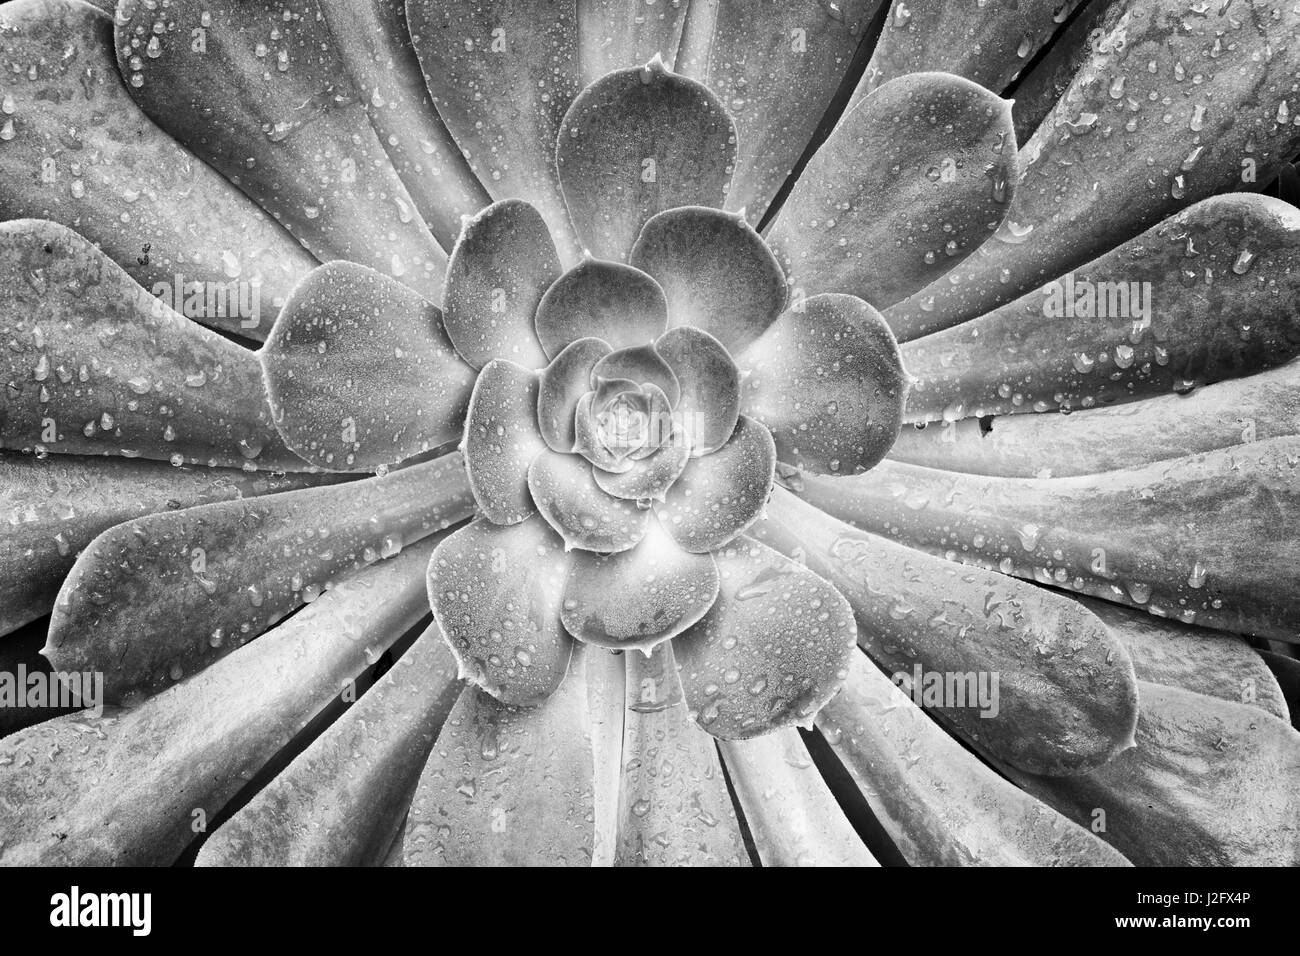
1028	674
1171	106
776	65
615	34
674	809
1264	405
360	373
937	802
987	43
638	142
156	599
1207	295
943	169
127	788
790	812
95	365
267	100
827	381
372	40
1163	801
342	799
1192	658
1208	539
508	786
501	75
77	150
56	505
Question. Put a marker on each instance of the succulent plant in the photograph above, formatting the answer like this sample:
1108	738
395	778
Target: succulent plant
649	432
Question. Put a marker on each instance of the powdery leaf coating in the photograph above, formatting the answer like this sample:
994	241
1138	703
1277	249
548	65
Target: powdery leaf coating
340	801
638	598
716	271
1207	295
495	592
501	75
943	167
64	501
1217	105
709	406
95	365
828	383
720	495
561	386
360	373
502	264
607	300
937	802
508	786
584	516
777	67
83	154
125	785
1066	697
153	600
774	648
674	808
637	142
501	440
286	126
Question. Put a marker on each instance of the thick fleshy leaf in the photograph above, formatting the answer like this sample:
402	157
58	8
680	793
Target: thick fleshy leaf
372	39
1155	120
638	598
641	364
606	300
1207	538
263	96
509	786
1196	659
717	272
1264	405
827	381
360	373
943	167
501	440
502	74
937	802
709	406
1040	89
720	495
791	813
776	65
503	262
773	649
56	505
561	386
95	365
584	516
1163	801
77	150
1207	295
988	44
637	142
342	800
674	808
153	600
613	34
495	591
648	478
1037	680
129	785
